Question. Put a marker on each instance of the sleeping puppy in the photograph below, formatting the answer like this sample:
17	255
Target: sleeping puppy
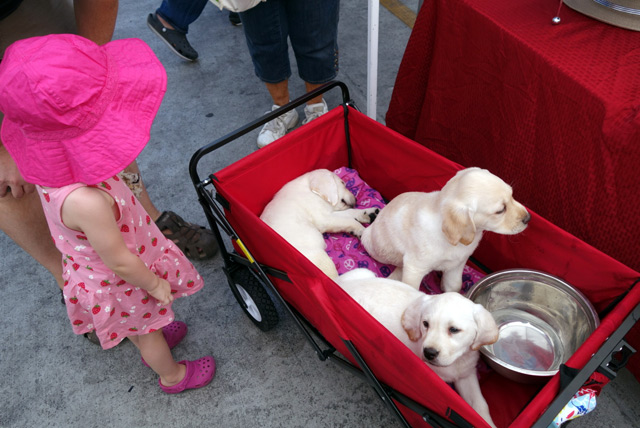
419	232
444	330
310	205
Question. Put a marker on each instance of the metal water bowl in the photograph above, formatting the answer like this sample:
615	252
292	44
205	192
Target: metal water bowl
542	322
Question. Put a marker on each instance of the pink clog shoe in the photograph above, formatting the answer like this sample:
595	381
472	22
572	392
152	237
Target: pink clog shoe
173	333
199	373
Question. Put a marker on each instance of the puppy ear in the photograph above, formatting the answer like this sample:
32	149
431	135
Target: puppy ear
487	330
458	225
325	184
412	318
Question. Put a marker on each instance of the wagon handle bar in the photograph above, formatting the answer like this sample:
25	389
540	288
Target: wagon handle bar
220	142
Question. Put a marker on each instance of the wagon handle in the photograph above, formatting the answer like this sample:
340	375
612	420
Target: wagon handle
220	142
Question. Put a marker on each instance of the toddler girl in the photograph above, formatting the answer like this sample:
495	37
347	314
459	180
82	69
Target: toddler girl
76	114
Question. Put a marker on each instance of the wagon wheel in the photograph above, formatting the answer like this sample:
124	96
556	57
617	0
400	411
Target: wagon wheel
256	303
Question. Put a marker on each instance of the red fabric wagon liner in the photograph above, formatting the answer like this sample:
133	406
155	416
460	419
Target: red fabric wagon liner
393	164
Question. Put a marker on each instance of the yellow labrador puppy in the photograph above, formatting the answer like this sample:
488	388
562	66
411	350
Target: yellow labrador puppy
444	330
419	232
310	205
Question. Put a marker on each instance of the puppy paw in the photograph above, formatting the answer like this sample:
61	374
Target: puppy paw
373	215
368	215
357	231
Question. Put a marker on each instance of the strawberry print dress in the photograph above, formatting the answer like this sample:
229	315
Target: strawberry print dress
96	298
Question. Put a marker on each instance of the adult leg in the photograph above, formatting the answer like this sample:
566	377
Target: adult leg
96	19
313	30
93	19
22	218
21	215
139	189
314	39
23	221
266	32
36	18
310	87
279	92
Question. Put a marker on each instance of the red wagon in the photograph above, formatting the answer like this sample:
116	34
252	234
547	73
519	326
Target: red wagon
262	266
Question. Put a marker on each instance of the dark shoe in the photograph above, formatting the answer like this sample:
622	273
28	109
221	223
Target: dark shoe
176	40
92	337
234	18
195	241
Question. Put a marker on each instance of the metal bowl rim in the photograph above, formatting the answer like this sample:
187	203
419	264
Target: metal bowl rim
581	298
539	276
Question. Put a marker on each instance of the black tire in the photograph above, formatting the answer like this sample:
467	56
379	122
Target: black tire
252	296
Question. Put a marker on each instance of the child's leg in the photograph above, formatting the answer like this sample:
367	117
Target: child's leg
155	351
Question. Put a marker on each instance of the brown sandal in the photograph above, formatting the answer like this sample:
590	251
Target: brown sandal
195	241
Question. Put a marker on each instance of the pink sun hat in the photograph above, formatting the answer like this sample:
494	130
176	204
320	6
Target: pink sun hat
77	112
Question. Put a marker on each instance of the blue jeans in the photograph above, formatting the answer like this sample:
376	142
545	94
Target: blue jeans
181	13
312	28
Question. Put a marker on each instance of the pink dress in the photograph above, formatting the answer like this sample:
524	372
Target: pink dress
96	298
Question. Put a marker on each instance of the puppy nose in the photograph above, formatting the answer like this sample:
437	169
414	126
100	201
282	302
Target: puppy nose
526	218
430	353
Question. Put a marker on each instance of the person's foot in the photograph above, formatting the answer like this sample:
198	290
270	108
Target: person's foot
196	242
198	373
314	111
278	127
176	40
234	18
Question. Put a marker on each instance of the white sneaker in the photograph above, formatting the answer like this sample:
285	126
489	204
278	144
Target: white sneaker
276	128
314	111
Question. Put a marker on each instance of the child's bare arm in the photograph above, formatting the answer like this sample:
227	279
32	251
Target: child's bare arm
91	211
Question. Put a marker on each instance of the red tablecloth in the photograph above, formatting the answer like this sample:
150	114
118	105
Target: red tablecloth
553	110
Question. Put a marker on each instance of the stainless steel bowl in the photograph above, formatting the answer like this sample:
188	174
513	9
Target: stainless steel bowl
542	322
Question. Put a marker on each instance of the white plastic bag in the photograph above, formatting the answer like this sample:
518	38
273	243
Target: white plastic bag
236	5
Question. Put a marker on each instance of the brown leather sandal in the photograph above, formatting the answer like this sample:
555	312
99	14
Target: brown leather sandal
196	242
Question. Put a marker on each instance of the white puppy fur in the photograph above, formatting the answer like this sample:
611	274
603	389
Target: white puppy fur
419	232
444	330
310	205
